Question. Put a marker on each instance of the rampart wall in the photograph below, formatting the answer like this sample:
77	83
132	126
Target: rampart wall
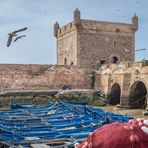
41	77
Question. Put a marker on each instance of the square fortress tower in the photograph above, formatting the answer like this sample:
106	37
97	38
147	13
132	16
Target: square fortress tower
87	42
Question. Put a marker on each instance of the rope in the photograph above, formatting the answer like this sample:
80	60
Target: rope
145	103
139	100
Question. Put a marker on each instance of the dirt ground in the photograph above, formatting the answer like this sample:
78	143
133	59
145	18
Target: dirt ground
136	113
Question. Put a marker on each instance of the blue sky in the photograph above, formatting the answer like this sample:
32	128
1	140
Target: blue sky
39	46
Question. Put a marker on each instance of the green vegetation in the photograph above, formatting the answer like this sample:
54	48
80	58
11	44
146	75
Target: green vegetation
5	102
42	100
98	102
76	99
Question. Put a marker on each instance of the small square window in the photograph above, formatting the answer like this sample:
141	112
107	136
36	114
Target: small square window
102	62
117	30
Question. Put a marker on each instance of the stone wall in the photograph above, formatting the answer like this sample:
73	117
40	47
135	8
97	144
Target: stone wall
22	69
131	78
67	45
102	41
66	48
41	77
124	74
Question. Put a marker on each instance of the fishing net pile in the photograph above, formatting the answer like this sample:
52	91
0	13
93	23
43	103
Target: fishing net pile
132	134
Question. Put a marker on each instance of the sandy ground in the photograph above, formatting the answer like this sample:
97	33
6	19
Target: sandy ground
136	113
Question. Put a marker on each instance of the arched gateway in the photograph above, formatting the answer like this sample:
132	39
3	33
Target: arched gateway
114	96
137	95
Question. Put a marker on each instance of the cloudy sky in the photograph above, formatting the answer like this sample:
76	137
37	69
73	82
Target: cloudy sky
39	46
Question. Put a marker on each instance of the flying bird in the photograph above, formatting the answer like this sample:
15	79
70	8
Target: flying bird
127	50
19	37
140	49
13	34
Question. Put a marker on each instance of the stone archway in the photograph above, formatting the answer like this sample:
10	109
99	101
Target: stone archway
114	59
115	93
137	95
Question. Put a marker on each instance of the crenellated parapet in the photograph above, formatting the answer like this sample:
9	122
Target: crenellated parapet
64	29
75	24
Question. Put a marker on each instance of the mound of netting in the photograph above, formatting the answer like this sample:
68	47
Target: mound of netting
132	134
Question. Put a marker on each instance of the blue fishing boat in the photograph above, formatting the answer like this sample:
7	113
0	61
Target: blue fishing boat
15	105
12	137
53	121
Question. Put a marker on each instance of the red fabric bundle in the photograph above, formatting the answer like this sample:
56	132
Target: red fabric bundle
118	135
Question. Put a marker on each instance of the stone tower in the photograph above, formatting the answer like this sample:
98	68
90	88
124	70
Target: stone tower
88	42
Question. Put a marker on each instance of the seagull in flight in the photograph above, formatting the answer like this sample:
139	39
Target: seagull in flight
127	50
13	34
19	37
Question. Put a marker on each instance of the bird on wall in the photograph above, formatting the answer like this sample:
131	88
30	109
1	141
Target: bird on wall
13	34
126	50
19	37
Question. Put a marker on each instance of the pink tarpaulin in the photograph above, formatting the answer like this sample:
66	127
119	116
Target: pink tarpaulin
133	134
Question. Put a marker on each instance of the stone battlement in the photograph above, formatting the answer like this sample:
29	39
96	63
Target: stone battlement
66	29
98	26
106	26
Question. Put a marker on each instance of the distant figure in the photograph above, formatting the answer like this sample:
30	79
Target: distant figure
98	64
66	87
13	34
19	37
